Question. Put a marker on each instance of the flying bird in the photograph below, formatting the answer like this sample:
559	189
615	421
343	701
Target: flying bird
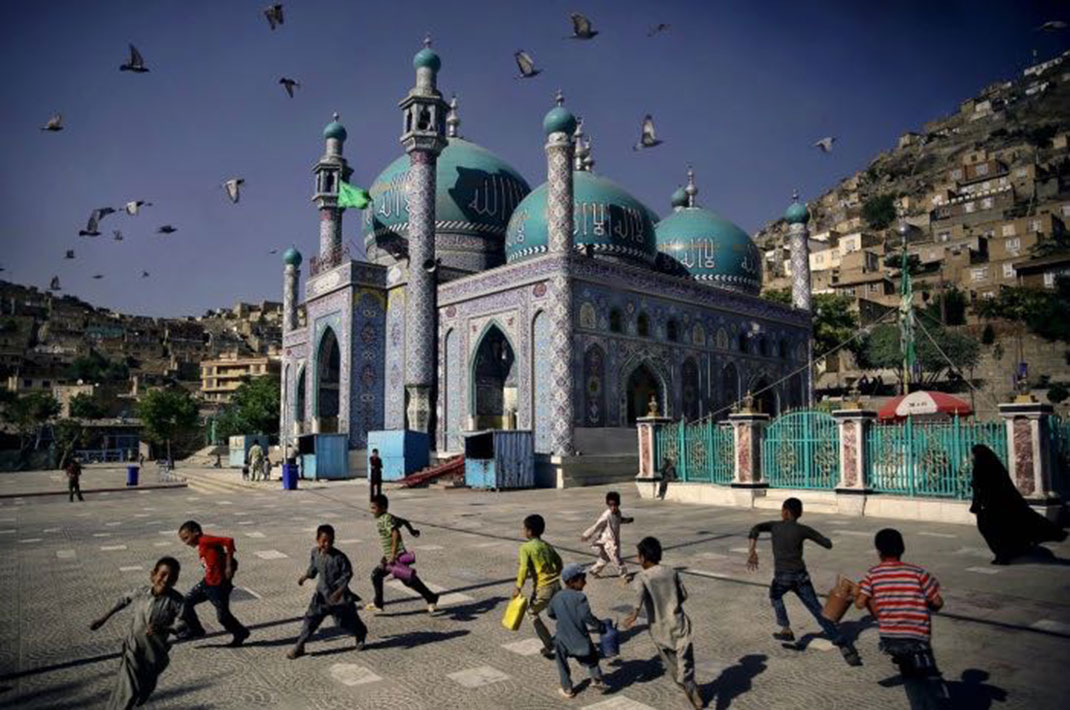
273	251
144	274
166	229
54	124
273	13
136	63
825	144
526	64
647	138
98	276
581	27
657	29
133	207
117	235
69	254
91	229
289	85
103	212
233	188
53	285
1052	26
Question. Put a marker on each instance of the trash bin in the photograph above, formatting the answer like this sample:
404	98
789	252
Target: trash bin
289	477
131	475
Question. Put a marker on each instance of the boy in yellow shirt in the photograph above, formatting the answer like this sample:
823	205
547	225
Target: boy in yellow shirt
540	561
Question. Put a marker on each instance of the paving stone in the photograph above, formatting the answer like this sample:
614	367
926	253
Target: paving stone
477	677
270	555
65	554
131	568
112	548
983	570
527	647
351	674
926	533
618	702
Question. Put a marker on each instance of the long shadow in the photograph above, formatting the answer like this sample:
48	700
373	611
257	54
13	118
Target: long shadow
420	638
849	630
49	695
625	673
973	693
734	680
1040	555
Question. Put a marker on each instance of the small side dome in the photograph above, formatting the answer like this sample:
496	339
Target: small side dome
291	257
679	198
559	119
427	59
335	130
796	212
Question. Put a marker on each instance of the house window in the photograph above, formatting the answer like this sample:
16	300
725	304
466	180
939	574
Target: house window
944	236
614	321
643	325
671	332
1008	230
969	207
783	350
978	274
1034	225
1008	271
1066	210
29	383
1049	279
986	204
763	347
1012	245
956	174
741	342
982	169
1021	172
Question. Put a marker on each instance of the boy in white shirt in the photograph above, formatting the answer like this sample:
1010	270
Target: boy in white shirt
606	534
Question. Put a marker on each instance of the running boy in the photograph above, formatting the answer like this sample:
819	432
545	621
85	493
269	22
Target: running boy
332	571
74	480
661	593
146	650
790	575
393	548
217	558
540	561
606	531
902	596
375	475
570	609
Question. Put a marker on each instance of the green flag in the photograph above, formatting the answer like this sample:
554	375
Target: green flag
349	196
906	318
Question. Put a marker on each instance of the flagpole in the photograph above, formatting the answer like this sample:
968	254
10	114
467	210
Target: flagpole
906	307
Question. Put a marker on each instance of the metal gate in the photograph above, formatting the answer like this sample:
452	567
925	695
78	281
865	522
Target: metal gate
802	450
701	452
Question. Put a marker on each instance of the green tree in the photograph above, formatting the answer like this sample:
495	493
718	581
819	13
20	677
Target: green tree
167	414
1058	393
253	408
29	414
948	307
94	367
86	406
882	350
69	434
835	320
988	335
1045	312
879	211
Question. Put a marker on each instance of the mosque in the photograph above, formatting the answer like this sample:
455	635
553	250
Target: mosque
568	310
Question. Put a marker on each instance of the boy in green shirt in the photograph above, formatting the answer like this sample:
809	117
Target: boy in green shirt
393	548
539	560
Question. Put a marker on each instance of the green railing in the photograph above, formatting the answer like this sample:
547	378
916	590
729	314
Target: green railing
1059	448
930	458
802	450
700	452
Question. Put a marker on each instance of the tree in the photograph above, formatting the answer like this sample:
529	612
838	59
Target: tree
882	350
948	308
69	434
988	335
86	406
835	320
29	414
1045	312
94	367
1058	393
253	409
879	211
166	414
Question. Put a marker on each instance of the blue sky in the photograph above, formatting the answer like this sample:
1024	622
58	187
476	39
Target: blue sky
738	89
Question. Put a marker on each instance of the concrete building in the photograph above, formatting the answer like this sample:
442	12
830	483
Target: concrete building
221	376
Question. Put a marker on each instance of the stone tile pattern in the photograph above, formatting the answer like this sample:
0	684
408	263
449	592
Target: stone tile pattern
559	213
420	311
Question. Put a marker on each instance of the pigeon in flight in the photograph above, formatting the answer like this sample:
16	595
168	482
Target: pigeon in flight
526	64
289	85
103	212
136	63
117	235
581	27
145	274
91	229
657	29
166	229
1053	26
233	188
646	137
69	254
53	285
54	124
273	13
98	276
825	144
273	251
133	207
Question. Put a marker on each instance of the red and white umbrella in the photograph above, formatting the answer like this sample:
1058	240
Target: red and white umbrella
923	404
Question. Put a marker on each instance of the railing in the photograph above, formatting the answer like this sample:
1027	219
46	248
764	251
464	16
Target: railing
702	451
929	458
102	455
802	450
1059	448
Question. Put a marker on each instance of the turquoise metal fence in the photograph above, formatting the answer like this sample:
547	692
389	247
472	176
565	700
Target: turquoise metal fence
1059	447
802	450
701	452
929	458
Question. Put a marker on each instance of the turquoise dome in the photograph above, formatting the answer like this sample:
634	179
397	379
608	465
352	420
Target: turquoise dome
711	249
797	213
475	193
426	58
334	129
559	120
679	198
605	217
292	257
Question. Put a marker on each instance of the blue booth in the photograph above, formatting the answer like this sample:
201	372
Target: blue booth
239	448
499	459
323	456
403	452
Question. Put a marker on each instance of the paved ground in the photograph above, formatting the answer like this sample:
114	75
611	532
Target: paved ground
94	477
1005	638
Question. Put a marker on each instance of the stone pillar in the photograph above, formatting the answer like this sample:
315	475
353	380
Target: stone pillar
748	429
330	235
291	275
648	477
1029	458
800	266
854	423
420	291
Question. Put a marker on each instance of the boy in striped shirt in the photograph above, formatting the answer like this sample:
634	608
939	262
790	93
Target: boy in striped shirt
901	596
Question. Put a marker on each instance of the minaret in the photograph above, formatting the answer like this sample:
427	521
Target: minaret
559	125
453	120
424	138
331	168
797	216
291	275
691	190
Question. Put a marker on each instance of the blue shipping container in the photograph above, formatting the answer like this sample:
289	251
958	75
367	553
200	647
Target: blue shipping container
239	449
324	456
403	451
499	459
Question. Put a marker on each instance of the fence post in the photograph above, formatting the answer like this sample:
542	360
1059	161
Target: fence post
748	429
649	476
681	446
1028	456
854	424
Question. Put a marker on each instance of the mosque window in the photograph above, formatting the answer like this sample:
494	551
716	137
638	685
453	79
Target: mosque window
671	331
763	347
424	121
614	321
784	350
643	325
741	342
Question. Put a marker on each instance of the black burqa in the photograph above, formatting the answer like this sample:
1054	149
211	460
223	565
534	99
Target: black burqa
1009	526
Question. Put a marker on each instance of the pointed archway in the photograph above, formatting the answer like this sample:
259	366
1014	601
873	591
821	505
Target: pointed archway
328	372
299	399
641	386
765	397
494	380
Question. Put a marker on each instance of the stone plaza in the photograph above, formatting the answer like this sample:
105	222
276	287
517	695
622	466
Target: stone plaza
1001	641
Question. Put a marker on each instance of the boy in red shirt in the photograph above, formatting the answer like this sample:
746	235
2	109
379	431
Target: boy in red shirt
217	558
901	596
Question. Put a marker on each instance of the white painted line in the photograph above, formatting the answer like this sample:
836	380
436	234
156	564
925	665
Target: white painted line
982	570
328	516
7	520
424	548
270	555
350	541
856	533
494	543
161	543
148	507
223	502
113	524
741	550
51	530
7	532
32	539
164	532
143	493
936	534
65	554
527	647
618	702
477	677
131	568
194	499
711	575
246	522
443	600
255	533
252	593
351	674
111	548
830	522
712	555
141	515
101	534
104	493
711	669
821	645
1058	627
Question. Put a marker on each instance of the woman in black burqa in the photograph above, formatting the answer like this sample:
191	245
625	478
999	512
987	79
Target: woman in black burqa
1009	526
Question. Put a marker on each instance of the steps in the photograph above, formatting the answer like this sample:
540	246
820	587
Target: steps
453	469
217	482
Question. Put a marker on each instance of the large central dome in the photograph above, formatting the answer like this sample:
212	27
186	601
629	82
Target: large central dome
475	195
711	248
605	217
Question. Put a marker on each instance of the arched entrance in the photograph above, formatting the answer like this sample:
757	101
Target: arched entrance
328	370
299	400
690	394
767	399
642	385
729	388
494	381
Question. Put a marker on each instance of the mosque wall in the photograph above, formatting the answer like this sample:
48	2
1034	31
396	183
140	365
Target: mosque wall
394	400
367	365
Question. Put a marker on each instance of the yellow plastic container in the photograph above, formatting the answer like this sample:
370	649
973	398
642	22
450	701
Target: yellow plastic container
514	613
